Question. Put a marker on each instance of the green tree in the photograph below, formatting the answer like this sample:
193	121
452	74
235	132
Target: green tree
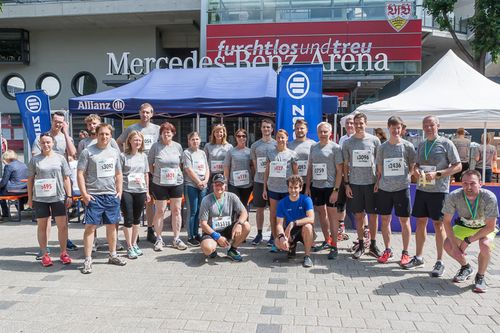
485	24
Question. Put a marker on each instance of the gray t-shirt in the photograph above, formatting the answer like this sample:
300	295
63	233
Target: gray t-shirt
167	163
258	154
231	207
134	168
59	145
49	173
302	148
361	154
343	138
463	148
240	172
84	143
100	167
394	162
280	168
196	160
490	151
151	134
324	160
442	153
216	155
487	205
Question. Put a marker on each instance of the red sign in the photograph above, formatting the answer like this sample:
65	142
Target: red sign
314	42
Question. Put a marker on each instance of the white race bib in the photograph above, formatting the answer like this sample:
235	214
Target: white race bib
319	171
217	166
241	178
220	223
136	181
261	164
168	176
106	168
302	165
394	166
277	169
45	188
148	141
429	168
362	158
199	168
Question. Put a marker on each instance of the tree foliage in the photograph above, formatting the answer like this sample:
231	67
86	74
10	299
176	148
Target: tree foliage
485	24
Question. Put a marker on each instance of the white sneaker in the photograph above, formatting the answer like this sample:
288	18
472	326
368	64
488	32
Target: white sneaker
179	244
159	245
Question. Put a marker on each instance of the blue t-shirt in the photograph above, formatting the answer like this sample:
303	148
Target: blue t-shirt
294	210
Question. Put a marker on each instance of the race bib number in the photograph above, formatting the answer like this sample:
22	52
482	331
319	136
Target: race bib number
217	166
394	166
302	165
278	169
199	168
106	168
362	158
136	181
168	176
220	223
261	164
148	141
241	178
319	171
429	168
45	188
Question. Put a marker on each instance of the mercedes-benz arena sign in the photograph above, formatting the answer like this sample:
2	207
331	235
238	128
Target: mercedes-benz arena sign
350	46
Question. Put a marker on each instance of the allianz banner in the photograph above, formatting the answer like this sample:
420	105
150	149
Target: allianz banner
299	97
34	107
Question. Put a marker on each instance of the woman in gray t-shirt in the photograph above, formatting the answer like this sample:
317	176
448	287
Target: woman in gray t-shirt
49	194
135	170
217	149
238	168
196	175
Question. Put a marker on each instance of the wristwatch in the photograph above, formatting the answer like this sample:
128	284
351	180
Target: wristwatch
467	240
335	189
438	174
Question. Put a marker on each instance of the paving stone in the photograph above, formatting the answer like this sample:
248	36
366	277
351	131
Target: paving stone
271	310
278	281
275	294
4	305
53	277
268	328
31	290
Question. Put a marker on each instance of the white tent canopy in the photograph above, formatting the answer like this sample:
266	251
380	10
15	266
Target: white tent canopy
451	90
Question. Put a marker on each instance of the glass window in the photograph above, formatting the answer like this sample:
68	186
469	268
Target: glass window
13	84
50	83
83	83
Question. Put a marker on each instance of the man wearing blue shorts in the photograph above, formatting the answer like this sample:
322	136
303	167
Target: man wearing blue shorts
99	177
295	220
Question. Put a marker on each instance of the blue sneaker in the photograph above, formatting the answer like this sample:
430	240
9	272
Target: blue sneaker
257	239
131	253
274	249
234	255
270	242
70	246
137	250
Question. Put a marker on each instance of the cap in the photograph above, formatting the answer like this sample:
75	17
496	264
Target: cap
219	178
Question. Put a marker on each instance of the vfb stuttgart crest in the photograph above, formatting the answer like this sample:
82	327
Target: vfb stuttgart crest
398	14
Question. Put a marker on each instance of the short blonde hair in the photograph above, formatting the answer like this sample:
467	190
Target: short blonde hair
92	117
9	156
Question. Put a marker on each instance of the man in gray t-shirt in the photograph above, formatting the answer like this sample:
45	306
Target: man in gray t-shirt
59	130
437	160
477	211
223	218
301	146
100	180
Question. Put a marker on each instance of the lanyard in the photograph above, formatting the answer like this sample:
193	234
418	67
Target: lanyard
220	206
473	213
427	152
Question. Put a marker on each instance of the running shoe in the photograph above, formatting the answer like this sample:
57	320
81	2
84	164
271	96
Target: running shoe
479	284
179	244
193	242
463	274
274	249
405	258
87	267
137	250
270	242
334	252
234	255
414	263
292	251
46	260
307	263
131	254
257	239
329	241
213	255
384	258
438	269
159	245
40	254
151	236
321	247
375	251
119	246
65	258
71	246
360	250
115	260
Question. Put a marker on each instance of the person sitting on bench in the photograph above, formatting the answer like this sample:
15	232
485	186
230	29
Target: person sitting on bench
12	182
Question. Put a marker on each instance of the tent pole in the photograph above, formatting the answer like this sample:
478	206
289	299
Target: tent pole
485	133
335	128
198	122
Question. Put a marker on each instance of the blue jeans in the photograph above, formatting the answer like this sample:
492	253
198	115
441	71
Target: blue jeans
194	196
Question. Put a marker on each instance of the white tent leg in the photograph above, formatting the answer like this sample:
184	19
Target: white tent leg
198	122
335	128
485	133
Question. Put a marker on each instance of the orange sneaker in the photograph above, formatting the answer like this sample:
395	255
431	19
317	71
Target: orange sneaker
405	259
65	258
385	257
46	261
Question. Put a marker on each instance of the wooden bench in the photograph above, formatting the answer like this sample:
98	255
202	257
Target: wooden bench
14	199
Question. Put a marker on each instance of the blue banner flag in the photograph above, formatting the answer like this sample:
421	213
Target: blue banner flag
34	107
299	97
